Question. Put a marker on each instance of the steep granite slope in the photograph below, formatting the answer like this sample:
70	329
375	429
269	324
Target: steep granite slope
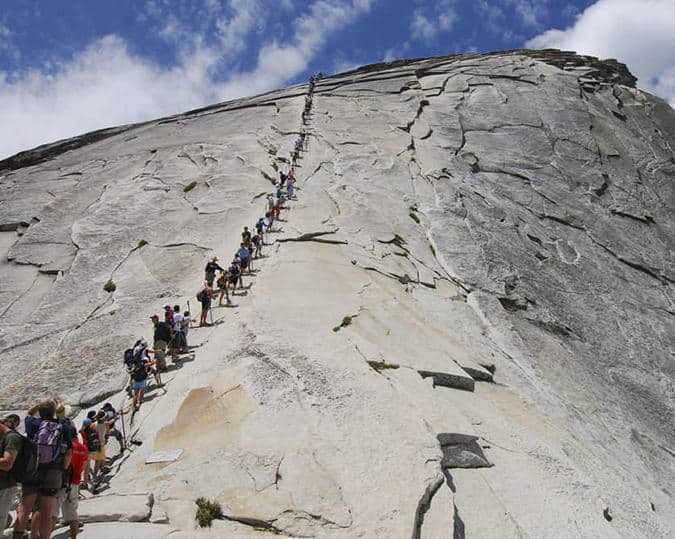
511	210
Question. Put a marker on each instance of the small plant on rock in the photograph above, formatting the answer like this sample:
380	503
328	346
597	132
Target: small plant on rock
207	511
190	186
380	366
414	217
275	166
109	286
346	321
141	244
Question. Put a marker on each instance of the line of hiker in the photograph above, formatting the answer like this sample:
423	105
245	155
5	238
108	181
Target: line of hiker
49	462
52	464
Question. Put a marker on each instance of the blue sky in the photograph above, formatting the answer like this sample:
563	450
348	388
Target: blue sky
67	67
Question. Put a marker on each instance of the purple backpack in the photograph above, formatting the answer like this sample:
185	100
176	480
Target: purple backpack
48	441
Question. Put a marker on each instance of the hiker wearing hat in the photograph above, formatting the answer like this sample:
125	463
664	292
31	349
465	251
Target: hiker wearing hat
210	270
161	339
11	443
53	439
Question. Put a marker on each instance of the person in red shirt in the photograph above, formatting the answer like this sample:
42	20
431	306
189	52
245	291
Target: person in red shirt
68	495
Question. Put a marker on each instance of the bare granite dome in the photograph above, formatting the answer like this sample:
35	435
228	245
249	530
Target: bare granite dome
464	329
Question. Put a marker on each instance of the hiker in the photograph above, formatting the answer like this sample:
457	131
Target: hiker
54	445
290	188
235	275
260	228
142	352
92	441
161	339
68	496
204	296
185	328
282	178
111	416
245	258
11	444
246	235
210	270
222	287
99	456
168	315
257	247
270	221
176	342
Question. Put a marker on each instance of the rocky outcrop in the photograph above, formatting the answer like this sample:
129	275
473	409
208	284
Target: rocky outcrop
465	327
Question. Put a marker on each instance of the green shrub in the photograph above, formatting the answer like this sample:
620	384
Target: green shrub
141	244
414	217
380	366
109	286
275	166
190	186
433	249
207	511
259	195
347	320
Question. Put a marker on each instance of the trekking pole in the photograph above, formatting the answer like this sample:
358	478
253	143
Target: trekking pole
189	310
124	432
211	314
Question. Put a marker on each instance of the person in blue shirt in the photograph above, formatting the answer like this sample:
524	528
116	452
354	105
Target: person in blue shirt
244	258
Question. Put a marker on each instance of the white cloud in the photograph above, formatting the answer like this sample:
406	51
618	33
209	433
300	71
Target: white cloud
426	26
640	33
107	85
246	17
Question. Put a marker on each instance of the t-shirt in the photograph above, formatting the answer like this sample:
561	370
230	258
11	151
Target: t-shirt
243	253
186	324
177	318
8	440
77	462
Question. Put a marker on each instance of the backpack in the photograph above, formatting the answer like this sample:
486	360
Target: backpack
201	295
234	270
48	441
138	371
93	441
25	467
128	357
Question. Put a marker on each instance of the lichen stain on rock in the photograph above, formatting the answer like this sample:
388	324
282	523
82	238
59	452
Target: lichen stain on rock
209	417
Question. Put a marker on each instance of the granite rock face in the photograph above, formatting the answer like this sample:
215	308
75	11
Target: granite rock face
507	217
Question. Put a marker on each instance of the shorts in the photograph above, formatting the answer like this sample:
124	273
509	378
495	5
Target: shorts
234	279
206	304
49	481
67	502
139	385
98	455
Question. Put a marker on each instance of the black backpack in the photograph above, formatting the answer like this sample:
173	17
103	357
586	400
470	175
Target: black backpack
93	441
201	295
25	467
138	371
129	357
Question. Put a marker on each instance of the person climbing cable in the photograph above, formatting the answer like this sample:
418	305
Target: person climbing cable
210	270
